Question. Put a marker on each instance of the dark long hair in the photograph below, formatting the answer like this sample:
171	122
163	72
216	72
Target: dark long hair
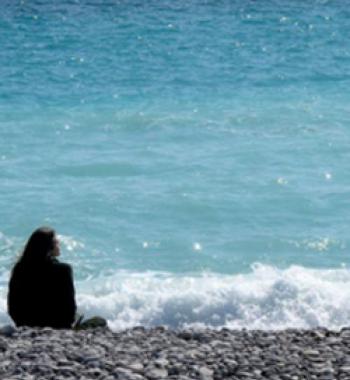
38	247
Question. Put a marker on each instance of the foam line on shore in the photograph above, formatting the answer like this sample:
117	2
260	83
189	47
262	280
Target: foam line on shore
266	298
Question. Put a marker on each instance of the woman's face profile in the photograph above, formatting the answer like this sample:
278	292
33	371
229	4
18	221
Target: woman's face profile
56	247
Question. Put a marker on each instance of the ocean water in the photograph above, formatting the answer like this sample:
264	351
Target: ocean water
193	156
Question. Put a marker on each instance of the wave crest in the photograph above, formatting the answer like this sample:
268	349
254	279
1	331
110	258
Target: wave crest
266	298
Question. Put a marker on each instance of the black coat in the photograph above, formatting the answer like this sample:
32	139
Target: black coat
42	295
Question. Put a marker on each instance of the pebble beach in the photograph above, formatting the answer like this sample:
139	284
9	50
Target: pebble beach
160	353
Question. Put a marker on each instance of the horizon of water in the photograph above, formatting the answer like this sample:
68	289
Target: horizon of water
192	156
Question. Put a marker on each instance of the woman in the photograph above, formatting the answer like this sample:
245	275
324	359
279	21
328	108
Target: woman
41	290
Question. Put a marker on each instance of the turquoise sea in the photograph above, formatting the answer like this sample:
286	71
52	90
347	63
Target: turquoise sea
193	156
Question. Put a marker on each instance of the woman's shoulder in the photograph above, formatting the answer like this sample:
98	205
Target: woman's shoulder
61	267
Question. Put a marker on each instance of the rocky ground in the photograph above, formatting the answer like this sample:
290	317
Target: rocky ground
159	353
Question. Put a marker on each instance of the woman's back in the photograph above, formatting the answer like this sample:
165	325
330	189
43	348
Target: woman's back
41	294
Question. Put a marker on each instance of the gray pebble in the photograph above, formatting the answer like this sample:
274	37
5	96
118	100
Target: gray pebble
158	353
154	373
205	373
135	367
7	330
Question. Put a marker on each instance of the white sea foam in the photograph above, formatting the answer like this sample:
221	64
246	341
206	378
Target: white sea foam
69	243
266	298
6	243
321	244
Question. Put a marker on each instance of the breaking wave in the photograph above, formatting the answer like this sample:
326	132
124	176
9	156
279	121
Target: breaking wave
266	298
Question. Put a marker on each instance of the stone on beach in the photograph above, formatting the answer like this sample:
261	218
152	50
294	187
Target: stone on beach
158	353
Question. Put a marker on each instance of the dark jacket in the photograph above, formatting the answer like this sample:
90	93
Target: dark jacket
42	295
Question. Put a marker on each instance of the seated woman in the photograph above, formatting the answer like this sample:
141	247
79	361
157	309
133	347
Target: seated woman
41	290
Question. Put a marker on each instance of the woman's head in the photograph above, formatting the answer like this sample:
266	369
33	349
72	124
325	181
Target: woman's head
41	245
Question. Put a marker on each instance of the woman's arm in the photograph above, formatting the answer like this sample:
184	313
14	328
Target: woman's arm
66	296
